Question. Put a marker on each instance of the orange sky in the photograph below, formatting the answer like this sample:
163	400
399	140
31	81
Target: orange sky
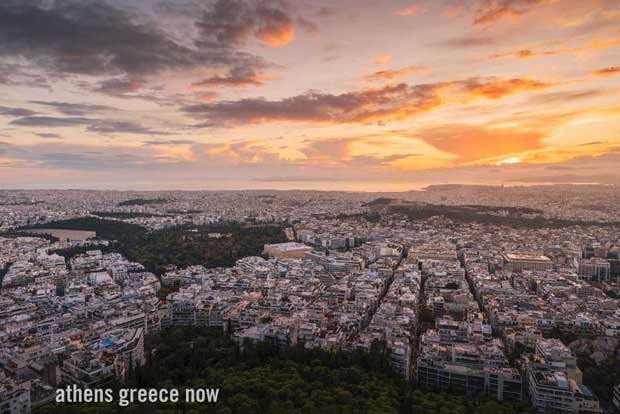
353	95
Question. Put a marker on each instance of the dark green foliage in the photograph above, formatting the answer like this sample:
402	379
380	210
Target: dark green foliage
184	246
124	215
261	378
426	315
381	201
105	229
601	378
3	271
516	353
566	336
452	286
25	233
181	246
373	217
488	215
142	202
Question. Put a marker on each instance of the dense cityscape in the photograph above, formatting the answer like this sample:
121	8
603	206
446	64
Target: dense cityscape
309	206
501	293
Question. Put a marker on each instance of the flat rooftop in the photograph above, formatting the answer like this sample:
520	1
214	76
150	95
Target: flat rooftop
528	257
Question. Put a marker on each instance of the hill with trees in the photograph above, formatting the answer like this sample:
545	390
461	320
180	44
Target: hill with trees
181	246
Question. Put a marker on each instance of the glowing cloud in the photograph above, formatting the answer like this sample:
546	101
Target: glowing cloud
410	11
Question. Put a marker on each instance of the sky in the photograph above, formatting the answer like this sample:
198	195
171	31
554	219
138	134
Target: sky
352	95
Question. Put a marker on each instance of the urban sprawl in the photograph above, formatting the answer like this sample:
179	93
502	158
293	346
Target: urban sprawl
480	307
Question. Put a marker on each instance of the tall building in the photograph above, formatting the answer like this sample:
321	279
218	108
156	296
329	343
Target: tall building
595	269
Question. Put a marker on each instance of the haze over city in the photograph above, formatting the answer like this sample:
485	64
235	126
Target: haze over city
347	95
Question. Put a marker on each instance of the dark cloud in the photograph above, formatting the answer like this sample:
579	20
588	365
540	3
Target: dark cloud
230	23
390	102
47	135
48	121
74	109
88	37
95	38
108	127
16	111
117	86
237	77
101	126
12	74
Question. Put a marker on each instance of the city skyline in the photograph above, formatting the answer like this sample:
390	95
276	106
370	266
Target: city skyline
308	95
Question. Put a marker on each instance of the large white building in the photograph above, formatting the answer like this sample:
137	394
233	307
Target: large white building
290	250
518	262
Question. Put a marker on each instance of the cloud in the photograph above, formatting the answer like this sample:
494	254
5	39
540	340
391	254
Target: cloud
47	135
87	37
394	73
48	121
118	86
64	156
390	102
232	23
467	41
491	11
237	77
527	53
13	74
235	153
326	11
382	59
170	142
101	126
566	96
410	11
276	28
107	127
74	109
612	70
495	89
17	112
335	149
474	143
95	38
523	54
307	26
